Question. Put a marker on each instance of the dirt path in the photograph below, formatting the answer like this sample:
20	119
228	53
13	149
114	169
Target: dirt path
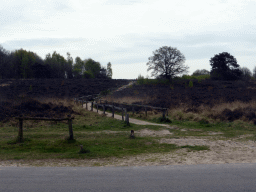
119	117
222	150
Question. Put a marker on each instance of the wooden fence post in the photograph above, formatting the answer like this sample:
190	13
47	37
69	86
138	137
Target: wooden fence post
71	137
103	109
127	119
92	106
146	111
122	113
164	113
113	110
20	136
97	107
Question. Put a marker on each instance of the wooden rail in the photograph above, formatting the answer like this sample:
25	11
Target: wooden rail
165	110
21	119
123	110
84	99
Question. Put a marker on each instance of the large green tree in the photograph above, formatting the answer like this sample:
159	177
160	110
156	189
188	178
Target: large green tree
246	73
22	63
69	66
4	63
167	62
57	63
254	72
78	68
109	70
92	67
199	72
225	67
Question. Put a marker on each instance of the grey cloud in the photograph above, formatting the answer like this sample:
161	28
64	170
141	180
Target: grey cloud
139	47
201	46
17	44
122	2
11	15
62	6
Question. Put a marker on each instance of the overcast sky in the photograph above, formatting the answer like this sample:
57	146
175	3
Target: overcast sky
126	32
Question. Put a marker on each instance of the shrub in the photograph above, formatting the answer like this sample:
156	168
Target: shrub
141	80
163	120
88	75
190	84
147	81
105	92
199	78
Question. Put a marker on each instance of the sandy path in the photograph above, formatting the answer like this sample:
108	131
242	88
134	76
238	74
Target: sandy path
119	117
221	151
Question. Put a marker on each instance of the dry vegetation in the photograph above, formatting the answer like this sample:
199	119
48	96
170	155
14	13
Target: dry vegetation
128	99
207	100
221	133
237	110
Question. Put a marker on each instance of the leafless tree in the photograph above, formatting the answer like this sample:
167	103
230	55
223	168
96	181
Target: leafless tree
167	62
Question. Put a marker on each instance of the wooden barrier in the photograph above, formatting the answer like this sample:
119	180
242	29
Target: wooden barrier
21	119
164	110
113	107
104	105
113	110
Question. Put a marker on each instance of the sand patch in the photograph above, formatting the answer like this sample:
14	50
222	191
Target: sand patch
214	133
152	133
221	151
195	130
5	84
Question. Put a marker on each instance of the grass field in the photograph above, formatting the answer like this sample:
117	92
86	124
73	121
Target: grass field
101	137
104	137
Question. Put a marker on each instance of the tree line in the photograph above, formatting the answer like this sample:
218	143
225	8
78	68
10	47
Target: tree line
22	64
168	62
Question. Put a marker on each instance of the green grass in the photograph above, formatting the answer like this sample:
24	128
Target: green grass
103	137
146	81
229	129
203	127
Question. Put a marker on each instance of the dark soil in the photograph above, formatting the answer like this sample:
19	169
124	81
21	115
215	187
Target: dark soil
207	93
33	108
25	97
55	88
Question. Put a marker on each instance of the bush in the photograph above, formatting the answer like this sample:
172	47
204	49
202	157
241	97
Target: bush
163	120
140	79
190	84
199	77
88	75
147	81
105	92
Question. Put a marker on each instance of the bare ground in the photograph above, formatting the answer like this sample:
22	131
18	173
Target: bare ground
221	152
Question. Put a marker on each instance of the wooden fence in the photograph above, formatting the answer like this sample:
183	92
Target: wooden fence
96	97
21	119
113	107
164	110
